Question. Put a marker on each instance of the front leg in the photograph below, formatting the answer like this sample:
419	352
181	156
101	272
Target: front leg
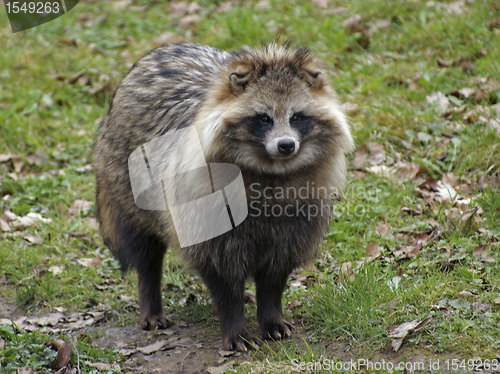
270	287
148	261
228	297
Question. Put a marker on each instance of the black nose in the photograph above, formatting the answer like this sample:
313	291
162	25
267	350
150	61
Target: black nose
286	147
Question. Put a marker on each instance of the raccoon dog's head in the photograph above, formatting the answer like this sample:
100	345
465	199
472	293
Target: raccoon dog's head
273	112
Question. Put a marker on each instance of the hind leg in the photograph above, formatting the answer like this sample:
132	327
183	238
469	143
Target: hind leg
270	287
228	297
145	253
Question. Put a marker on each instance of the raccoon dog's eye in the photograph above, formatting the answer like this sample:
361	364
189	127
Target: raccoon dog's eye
265	119
296	117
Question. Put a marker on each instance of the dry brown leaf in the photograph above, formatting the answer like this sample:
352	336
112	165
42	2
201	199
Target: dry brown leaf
138	8
323	4
178	9
398	333
465	293
25	371
262	4
460	220
337	10
295	304
33	159
30	219
249	298
463	93
451	179
194	8
75	77
413	211
4	226
416	237
3	343
481	250
407	251
445	192
18	164
90	262
350	107
430	184
494	23
190	21
63	349
373	249
6	157
152	348
84	237
127	351
407	171
167	38
382	23
382	229
444	63
79	205
56	270
32	239
99	366
225	7
369	153
347	270
352	25
439	100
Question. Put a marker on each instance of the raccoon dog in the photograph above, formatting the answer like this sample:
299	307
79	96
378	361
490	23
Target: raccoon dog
271	112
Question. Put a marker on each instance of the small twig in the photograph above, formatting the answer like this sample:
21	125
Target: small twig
77	358
184	359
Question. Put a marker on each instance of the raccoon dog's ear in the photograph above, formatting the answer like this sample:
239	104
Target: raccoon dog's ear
314	78
239	79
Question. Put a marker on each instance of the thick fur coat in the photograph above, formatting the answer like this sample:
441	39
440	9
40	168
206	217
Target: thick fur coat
271	112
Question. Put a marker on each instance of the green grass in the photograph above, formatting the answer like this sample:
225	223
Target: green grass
30	350
51	123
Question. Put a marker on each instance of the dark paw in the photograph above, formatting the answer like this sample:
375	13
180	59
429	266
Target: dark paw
154	321
276	330
241	343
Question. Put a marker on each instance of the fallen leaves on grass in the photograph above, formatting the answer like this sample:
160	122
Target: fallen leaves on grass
55	322
17	162
439	101
85	237
350	108
25	371
398	333
370	153
78	206
90	262
162	345
90	82
482	253
10	221
323	4
407	171
408	251
155	347
382	229
295	304
33	239
167	38
354	25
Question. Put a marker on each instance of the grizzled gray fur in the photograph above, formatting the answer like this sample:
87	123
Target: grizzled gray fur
268	110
